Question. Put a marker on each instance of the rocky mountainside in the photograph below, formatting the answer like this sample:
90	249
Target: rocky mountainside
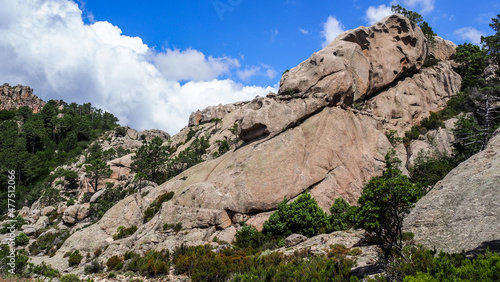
15	97
462	211
324	132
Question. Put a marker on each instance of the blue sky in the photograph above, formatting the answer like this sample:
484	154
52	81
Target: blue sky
152	63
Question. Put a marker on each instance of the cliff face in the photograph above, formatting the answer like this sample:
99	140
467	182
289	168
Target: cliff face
12	98
462	211
323	132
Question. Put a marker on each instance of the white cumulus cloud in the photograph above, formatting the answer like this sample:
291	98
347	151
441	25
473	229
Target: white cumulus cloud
45	44
469	34
331	29
375	14
192	65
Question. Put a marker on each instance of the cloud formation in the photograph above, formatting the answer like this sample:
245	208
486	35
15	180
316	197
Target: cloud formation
469	34
375	14
331	29
420	6
47	46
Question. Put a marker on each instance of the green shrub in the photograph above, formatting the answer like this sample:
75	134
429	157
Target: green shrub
70	278
94	267
393	138
111	275
45	270
175	227
354	252
124	232
337	250
249	237
75	258
432	122
414	132
152	264
302	216
342	215
114	263
428	171
21	239
155	206
18	221
107	200
48	243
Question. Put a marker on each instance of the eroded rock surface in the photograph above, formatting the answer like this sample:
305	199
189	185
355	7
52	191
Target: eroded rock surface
462	211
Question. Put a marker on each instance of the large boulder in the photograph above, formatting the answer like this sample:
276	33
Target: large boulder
360	62
462	211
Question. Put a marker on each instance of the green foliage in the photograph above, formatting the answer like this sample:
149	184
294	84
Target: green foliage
302	216
123	232
151	159
176	227
191	133
342	215
491	43
44	270
384	203
70	278
94	267
393	138
467	137
414	132
43	141
472	63
152	264
428	170
21	239
17	222
7	115
96	170
223	147
249	237
155	206
51	196
75	258
114	263
106	201
48	243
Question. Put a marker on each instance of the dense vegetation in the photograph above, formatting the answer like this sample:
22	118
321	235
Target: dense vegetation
35	144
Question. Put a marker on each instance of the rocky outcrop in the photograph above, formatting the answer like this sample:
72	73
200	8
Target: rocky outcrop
356	66
12	98
213	112
360	62
462	211
306	141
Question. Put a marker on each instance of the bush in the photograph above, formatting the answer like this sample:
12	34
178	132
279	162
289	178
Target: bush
94	267
75	258
70	278
18	222
432	122
176	227
249	237
45	270
155	206
354	252
302	216
21	239
114	263
152	264
124	232
48	243
428	171
342	215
